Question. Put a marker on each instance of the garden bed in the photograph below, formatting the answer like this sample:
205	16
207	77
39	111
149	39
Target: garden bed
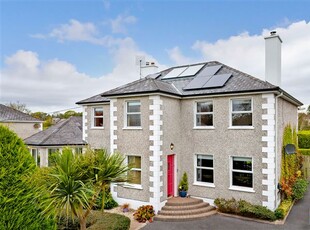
276	222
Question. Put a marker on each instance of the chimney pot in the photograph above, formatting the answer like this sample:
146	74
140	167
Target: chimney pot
273	32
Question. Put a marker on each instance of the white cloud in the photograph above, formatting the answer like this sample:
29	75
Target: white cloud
119	24
175	54
54	84
79	32
246	52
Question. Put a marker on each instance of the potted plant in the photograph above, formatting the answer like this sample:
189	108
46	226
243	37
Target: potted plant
183	186
125	207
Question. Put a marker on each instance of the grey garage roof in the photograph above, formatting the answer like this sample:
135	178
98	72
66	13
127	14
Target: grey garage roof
239	82
65	132
10	114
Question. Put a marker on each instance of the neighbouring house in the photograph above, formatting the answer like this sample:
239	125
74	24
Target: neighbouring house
21	123
65	133
220	125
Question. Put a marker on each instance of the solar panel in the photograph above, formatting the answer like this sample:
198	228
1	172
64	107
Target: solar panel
197	82
217	81
175	72
209	70
191	70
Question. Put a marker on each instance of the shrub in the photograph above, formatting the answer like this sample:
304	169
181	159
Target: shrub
256	211
305	152
20	202
227	206
304	139
109	202
144	213
183	185
300	188
283	208
244	208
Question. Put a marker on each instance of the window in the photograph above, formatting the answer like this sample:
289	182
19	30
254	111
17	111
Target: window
242	172
204	168
241	112
133	116
51	153
204	113
134	175
78	150
98	117
36	156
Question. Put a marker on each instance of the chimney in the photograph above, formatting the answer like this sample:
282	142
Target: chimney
149	68
273	59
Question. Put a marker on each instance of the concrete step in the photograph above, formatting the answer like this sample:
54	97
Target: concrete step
184	217
179	201
189	207
184	211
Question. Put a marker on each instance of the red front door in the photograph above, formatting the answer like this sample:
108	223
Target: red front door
170	175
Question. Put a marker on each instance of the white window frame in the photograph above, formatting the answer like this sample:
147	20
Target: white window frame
231	126
131	185
94	117
132	113
241	188
37	155
203	113
200	183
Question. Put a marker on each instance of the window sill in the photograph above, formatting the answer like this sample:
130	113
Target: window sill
211	185
97	128
204	127
242	189
134	128
133	186
241	127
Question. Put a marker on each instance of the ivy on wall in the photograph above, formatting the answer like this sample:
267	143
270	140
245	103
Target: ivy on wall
290	164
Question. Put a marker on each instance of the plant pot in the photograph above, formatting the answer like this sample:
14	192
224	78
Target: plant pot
182	193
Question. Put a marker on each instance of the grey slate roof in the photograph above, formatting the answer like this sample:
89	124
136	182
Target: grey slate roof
65	132
10	114
144	85
239	82
94	99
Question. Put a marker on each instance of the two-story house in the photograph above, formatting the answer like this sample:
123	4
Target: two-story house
220	125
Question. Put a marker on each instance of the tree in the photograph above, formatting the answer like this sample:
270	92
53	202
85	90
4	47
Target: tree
20	200
75	181
19	106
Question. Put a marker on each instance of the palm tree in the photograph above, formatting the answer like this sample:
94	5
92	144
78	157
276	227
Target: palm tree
77	180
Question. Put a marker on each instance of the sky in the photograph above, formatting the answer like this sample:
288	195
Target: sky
57	52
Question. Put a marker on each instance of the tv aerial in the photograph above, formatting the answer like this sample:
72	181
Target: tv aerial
140	61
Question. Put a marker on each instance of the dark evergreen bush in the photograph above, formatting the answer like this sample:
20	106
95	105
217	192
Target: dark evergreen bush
300	188
19	198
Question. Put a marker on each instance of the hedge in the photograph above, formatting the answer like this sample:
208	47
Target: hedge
304	139
19	198
304	151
